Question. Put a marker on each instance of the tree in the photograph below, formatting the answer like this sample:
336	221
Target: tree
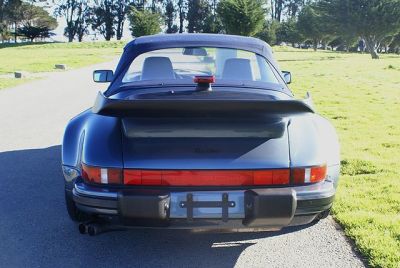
12	15
372	20
311	25
288	32
104	18
277	7
36	22
182	9
394	47
212	24
2	8
170	15
293	7
67	10
198	12
121	9
144	22
33	32
241	17
83	21
75	13
3	25
268	34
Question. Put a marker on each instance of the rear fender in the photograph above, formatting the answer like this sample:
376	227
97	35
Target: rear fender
102	145
313	141
73	140
94	140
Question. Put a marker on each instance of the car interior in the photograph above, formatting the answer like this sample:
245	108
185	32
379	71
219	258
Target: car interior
185	63
156	68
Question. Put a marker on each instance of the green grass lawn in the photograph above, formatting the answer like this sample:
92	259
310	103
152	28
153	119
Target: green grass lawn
361	97
35	58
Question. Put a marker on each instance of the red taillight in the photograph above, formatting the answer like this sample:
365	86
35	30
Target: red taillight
271	177
91	174
318	173
204	79
204	177
309	175
101	175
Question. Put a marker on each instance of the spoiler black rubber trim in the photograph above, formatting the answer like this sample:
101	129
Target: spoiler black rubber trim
159	107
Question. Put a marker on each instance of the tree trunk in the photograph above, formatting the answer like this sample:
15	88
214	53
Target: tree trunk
372	47
272	10
315	45
70	38
120	29
374	54
15	32
181	19
325	45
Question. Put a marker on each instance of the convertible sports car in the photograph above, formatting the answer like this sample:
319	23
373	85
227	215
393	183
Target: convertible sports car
198	131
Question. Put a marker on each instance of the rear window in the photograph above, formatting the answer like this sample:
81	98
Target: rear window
183	64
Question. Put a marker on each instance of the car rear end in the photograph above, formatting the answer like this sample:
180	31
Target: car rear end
208	171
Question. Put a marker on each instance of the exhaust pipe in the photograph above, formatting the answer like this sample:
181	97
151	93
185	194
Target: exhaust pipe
92	228
95	229
82	227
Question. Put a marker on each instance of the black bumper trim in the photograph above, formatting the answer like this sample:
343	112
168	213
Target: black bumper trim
284	201
95	202
313	206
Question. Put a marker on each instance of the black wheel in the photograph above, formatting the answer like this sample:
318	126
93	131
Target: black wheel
74	213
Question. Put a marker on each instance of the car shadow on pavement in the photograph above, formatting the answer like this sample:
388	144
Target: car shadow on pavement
35	229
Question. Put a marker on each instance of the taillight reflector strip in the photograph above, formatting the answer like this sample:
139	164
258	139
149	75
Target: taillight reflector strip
206	177
296	176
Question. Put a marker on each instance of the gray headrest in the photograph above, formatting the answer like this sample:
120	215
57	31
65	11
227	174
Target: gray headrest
155	68
237	69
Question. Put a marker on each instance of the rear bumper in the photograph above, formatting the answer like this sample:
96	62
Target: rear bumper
271	208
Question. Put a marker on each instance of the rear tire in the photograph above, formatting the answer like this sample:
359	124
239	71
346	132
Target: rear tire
74	213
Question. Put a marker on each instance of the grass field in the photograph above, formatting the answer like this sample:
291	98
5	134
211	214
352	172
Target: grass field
362	98
359	95
36	58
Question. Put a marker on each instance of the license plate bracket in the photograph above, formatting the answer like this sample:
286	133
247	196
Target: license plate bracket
224	204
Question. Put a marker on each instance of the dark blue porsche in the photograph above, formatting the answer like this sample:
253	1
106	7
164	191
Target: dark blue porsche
198	131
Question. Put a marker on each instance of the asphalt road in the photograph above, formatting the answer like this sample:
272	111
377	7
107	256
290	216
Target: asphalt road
35	230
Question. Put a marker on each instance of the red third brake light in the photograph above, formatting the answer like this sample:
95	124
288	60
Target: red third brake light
204	79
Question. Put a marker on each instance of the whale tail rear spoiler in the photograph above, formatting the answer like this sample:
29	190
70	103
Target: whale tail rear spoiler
170	107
